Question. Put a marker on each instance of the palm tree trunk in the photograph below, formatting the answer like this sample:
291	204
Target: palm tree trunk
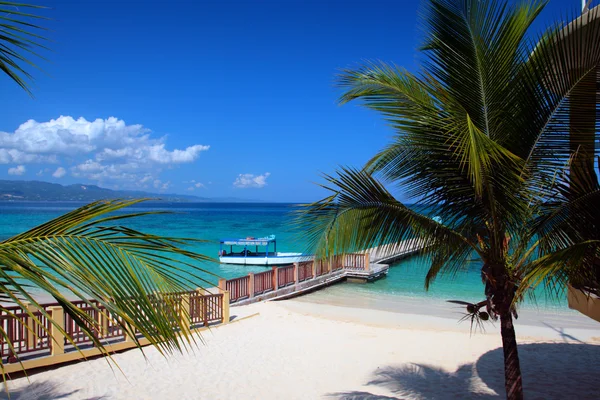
512	369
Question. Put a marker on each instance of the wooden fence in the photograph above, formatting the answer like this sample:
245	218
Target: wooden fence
251	285
286	276
238	288
305	271
38	340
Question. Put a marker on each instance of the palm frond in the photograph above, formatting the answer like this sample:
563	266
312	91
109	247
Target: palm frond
555	102
20	40
362	214
473	48
566	265
133	275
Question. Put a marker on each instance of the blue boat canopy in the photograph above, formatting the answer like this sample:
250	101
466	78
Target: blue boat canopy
249	241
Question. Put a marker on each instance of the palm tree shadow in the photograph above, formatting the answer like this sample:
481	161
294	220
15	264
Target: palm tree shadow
424	381
39	391
550	371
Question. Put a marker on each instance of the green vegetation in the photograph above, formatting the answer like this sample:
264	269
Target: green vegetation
485	134
86	254
20	40
44	191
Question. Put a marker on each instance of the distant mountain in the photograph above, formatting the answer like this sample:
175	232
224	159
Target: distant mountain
45	191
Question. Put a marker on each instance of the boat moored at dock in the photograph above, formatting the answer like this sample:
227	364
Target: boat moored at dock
256	251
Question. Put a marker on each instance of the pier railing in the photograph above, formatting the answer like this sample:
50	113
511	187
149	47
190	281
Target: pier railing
53	337
305	271
238	288
264	282
256	284
37	340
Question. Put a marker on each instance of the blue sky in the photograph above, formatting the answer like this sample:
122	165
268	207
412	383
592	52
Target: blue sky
214	99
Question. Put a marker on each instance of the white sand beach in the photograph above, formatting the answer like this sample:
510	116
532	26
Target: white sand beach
304	349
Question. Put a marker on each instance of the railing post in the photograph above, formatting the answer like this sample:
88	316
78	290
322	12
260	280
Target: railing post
225	311
31	327
296	272
275	279
222	284
250	285
186	322
367	262
103	320
204	303
313	268
56	330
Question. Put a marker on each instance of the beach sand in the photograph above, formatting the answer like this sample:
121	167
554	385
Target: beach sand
305	349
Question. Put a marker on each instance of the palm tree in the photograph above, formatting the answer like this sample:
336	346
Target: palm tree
128	276
481	141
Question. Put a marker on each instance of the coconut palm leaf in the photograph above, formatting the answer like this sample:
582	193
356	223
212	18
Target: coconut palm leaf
83	255
573	265
568	234
20	40
557	91
362	213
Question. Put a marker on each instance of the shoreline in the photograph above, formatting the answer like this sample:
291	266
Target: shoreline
530	326
529	315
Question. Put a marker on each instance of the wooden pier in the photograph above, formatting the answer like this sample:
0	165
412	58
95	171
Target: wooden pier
285	282
389	254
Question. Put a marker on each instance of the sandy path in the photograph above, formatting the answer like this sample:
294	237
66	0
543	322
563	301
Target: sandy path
299	350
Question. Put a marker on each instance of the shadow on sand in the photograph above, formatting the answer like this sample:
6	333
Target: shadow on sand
550	371
40	391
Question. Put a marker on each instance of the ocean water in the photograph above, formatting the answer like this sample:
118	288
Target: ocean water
213	221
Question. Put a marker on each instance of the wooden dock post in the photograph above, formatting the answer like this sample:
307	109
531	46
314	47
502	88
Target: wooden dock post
184	312
275	278
222	284
56	330
226	311
296	267
367	261
251	285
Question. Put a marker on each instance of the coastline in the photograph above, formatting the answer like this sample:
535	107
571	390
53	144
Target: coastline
301	348
528	314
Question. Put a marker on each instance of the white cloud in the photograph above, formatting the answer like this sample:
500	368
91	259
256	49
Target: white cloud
196	185
103	150
160	185
10	156
60	172
18	170
251	180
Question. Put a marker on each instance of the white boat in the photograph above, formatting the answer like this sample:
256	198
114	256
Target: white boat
256	251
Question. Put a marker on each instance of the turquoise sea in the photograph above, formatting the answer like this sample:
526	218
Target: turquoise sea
213	221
